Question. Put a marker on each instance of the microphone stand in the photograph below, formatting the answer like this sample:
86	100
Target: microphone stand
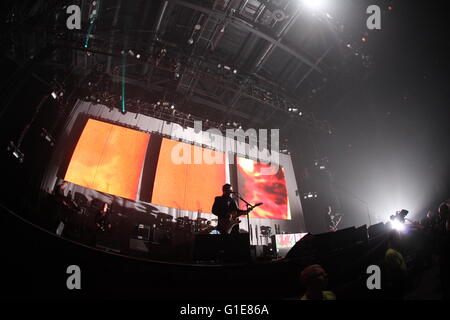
248	215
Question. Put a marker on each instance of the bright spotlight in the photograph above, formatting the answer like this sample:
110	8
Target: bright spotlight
314	4
15	151
397	225
47	137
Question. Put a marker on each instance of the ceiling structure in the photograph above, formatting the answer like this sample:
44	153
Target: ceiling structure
250	63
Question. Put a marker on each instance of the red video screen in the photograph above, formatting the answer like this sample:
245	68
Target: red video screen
187	186
108	158
287	241
269	189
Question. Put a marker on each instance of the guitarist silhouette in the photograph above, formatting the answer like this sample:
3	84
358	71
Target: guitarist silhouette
227	211
332	220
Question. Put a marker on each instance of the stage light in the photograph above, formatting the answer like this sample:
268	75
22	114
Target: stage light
235	71
397	225
138	56
299	113
15	151
47	137
190	41
314	4
172	107
54	95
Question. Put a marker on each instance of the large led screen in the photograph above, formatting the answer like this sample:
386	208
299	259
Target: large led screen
108	158
255	187
187	185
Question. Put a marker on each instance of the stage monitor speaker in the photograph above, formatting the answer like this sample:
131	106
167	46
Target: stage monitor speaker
377	229
209	247
237	248
342	238
360	234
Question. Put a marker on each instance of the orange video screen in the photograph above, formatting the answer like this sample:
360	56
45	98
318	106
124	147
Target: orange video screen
108	158
255	187
187	185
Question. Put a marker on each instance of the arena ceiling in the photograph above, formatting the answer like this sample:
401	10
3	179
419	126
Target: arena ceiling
259	64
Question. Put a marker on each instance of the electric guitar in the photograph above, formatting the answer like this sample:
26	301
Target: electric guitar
335	223
226	223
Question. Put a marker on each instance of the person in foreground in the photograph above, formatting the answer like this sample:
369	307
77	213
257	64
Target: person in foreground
315	280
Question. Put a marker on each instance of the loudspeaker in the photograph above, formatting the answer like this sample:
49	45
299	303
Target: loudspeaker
342	238
237	248
208	247
377	229
229	248
360	234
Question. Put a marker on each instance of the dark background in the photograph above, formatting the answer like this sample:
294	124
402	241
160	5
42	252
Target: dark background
389	146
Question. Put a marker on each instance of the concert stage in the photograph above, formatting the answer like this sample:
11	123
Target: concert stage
158	208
